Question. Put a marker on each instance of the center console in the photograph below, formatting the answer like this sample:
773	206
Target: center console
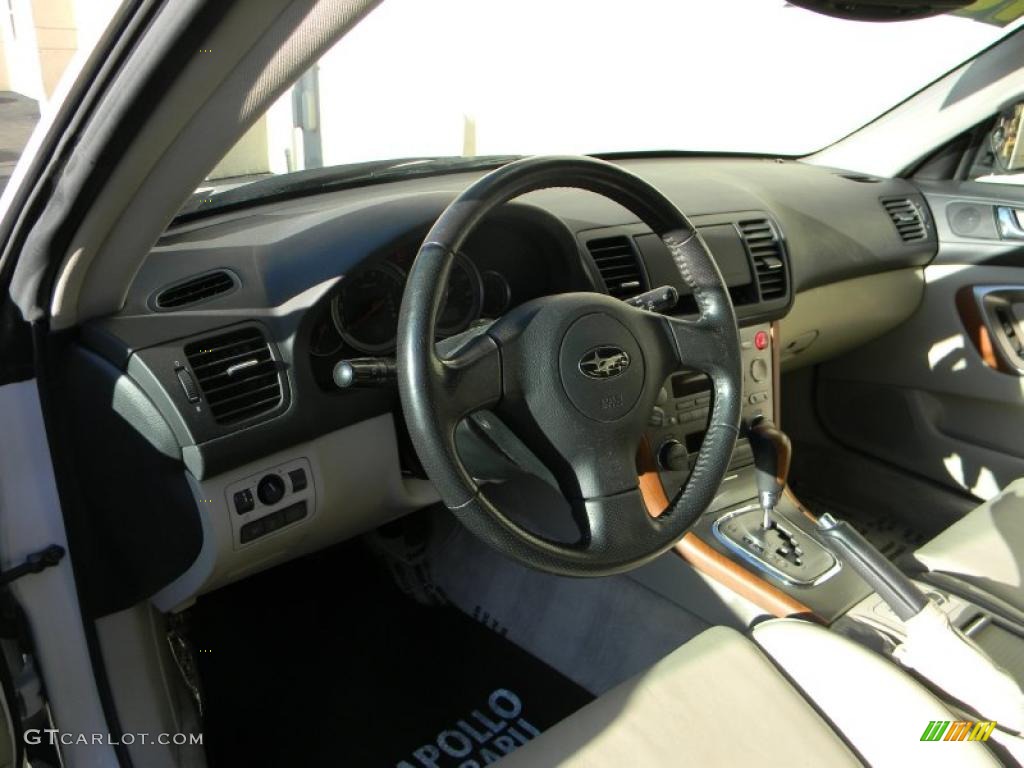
789	556
794	555
679	420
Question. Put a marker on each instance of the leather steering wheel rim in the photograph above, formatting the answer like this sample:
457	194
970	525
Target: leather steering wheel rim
575	376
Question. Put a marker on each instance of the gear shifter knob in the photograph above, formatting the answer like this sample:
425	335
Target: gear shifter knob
772	451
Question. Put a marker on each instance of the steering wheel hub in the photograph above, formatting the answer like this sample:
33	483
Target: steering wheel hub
602	367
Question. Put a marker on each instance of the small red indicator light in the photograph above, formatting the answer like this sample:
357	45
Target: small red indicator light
761	339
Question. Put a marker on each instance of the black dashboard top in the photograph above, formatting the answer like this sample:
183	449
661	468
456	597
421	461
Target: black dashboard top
319	277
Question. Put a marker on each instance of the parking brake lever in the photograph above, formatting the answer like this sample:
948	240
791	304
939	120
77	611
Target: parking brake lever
894	587
772	452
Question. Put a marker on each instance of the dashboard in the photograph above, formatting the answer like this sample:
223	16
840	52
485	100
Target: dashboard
216	374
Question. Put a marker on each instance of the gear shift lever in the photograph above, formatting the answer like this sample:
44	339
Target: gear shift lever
772	451
770	540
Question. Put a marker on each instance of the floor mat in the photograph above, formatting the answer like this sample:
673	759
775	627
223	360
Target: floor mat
597	632
892	538
324	662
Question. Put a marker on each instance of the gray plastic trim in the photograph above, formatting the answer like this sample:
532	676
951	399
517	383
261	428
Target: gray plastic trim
359	486
147	687
31	519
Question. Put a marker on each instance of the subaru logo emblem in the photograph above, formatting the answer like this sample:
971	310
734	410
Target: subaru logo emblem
605	362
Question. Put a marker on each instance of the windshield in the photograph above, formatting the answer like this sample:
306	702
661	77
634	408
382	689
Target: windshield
470	78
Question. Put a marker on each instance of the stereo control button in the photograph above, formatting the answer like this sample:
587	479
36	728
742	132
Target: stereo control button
759	370
657	418
673	456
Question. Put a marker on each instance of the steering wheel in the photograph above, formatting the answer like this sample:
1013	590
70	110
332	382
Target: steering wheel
574	376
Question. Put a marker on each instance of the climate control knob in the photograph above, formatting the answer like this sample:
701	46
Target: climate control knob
673	456
270	489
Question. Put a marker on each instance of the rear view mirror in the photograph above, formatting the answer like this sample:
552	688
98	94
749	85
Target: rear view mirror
1006	139
882	10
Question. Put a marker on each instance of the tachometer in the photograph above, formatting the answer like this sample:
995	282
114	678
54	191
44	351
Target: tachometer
462	299
365	310
497	293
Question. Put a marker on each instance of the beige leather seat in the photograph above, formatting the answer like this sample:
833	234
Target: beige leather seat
981	556
720	700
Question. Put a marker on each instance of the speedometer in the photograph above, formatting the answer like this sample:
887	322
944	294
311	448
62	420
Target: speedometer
365	310
463	297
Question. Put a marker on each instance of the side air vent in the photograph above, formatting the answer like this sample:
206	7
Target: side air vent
616	260
765	250
907	218
236	374
195	290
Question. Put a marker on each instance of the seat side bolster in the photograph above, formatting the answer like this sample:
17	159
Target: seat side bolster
876	705
717	700
985	548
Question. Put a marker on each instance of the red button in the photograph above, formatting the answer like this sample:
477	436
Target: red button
761	339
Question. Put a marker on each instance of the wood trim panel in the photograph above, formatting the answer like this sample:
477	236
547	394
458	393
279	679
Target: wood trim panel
977	331
709	561
775	334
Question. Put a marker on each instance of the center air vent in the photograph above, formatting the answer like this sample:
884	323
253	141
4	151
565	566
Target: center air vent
765	250
195	290
907	218
616	260
236	374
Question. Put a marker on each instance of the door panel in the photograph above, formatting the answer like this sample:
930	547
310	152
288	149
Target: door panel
942	395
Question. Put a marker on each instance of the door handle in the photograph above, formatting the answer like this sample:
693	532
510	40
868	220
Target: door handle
1010	222
993	318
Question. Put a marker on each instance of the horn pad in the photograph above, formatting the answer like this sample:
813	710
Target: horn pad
602	367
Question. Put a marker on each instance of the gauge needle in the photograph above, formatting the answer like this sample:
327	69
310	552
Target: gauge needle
368	313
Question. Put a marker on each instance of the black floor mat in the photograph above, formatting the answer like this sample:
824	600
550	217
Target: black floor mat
324	662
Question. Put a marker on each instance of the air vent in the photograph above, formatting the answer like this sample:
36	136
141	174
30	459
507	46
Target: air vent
236	374
195	290
907	218
616	260
765	250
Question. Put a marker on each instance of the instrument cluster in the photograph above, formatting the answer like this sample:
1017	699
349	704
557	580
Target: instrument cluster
363	312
